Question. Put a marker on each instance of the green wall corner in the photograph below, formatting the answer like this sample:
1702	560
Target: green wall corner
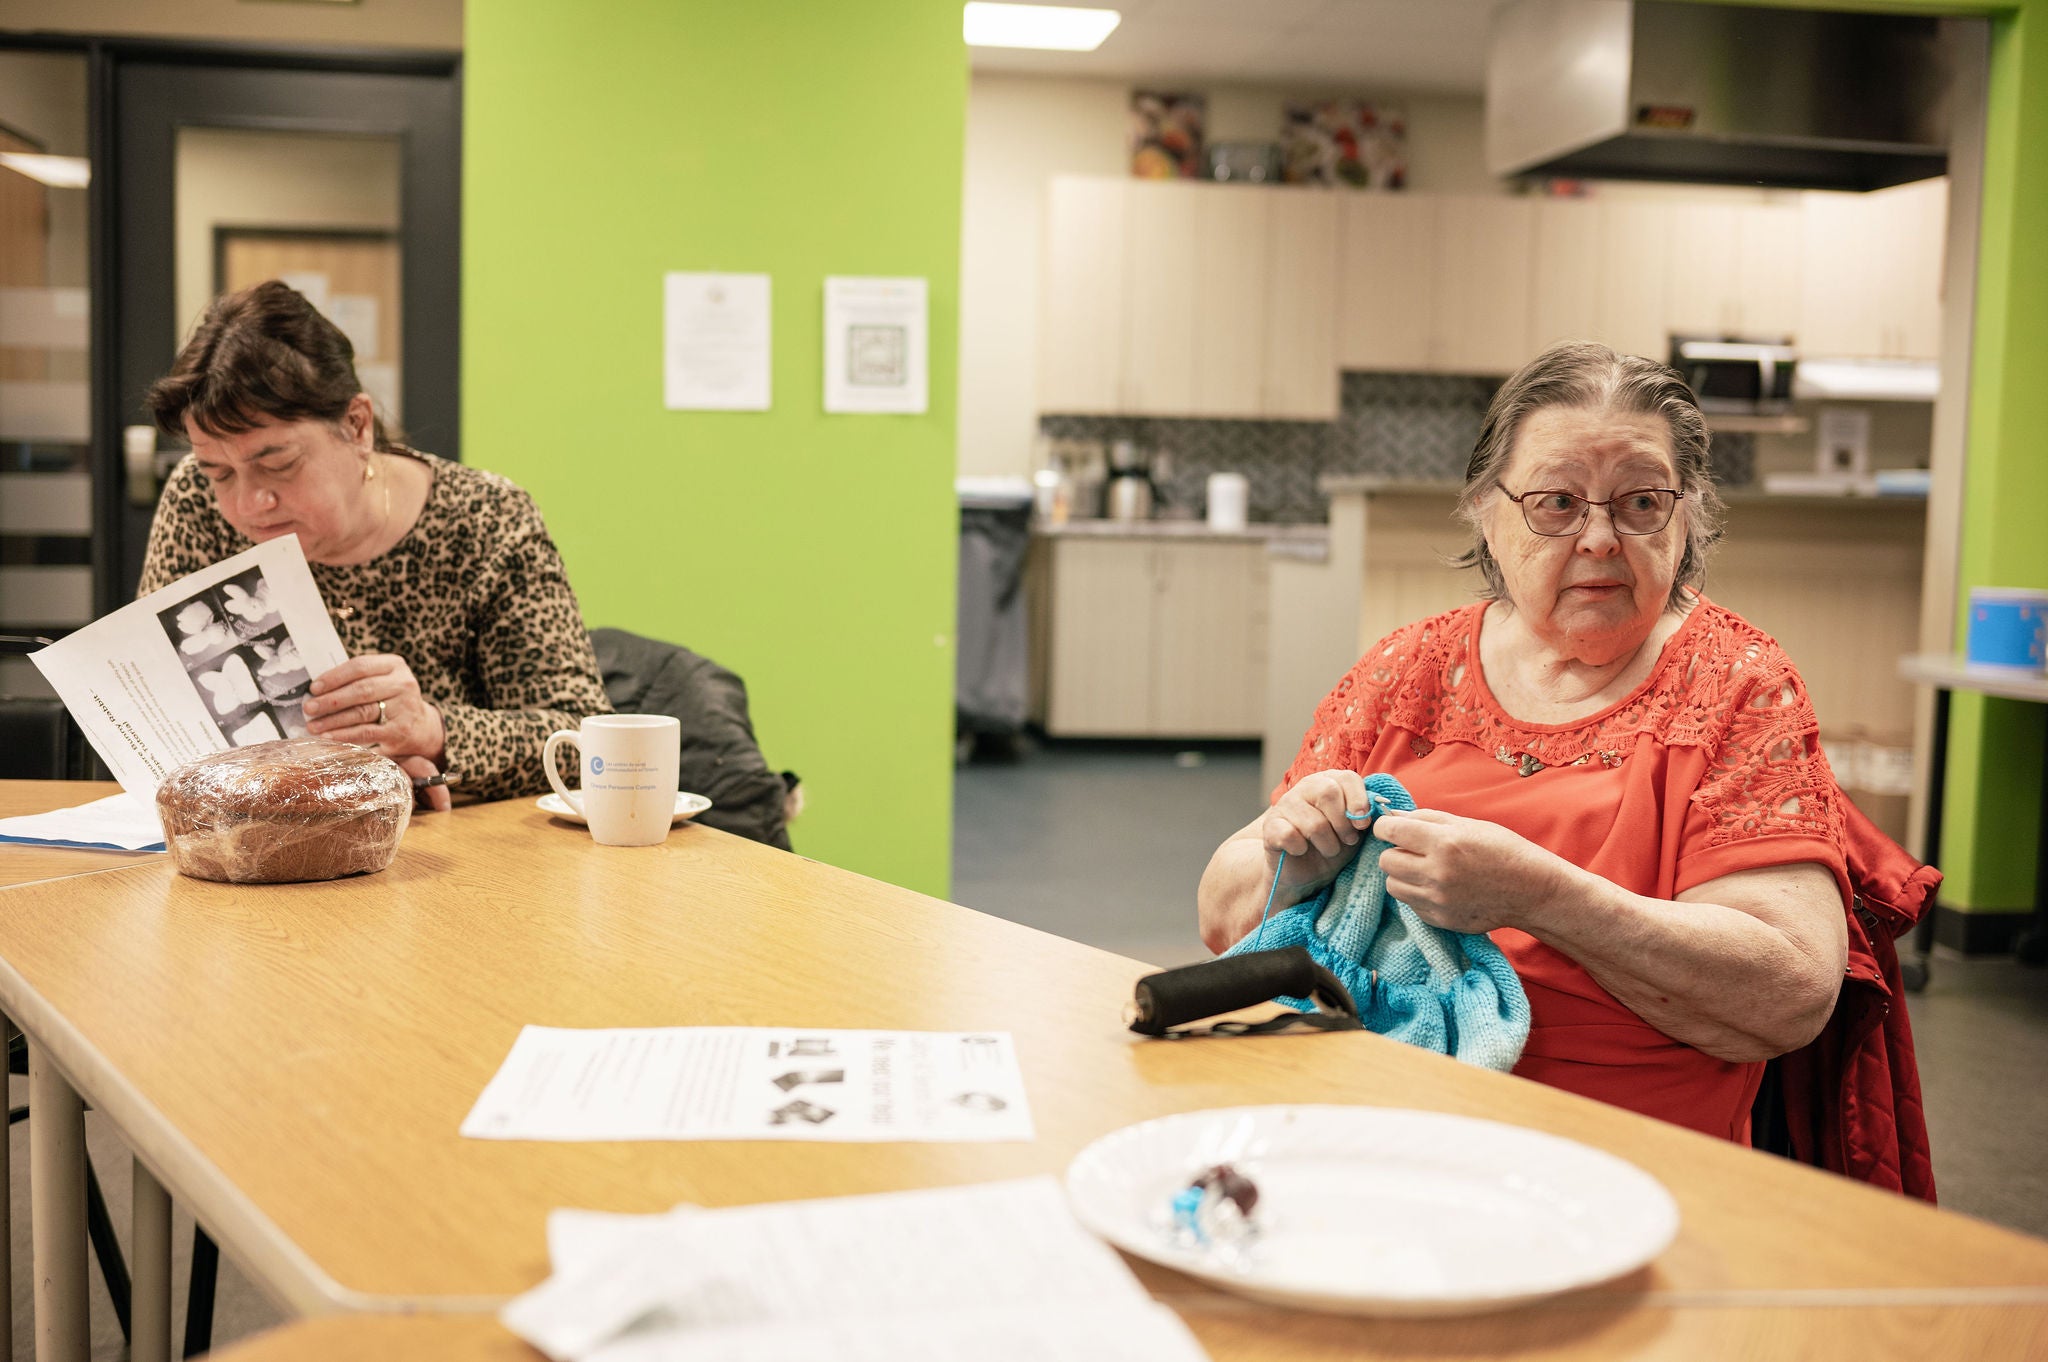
815	555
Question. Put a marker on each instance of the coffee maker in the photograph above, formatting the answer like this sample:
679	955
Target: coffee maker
1129	495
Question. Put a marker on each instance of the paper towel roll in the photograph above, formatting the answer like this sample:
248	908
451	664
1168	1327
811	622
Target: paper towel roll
1229	498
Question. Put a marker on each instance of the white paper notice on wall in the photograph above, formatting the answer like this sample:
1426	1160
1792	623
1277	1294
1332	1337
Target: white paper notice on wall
356	315
715	349
311	284
1844	445
876	345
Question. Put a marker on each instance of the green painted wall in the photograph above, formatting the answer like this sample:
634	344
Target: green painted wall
813	554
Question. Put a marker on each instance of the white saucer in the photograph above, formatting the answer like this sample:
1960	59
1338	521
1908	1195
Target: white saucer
687	806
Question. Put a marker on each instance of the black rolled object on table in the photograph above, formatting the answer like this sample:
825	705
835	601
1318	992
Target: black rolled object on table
1175	997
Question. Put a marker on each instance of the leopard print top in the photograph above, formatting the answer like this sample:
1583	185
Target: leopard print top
474	598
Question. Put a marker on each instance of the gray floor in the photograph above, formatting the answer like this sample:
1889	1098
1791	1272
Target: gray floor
1105	845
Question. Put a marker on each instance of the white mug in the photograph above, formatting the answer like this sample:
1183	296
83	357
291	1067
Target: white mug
629	776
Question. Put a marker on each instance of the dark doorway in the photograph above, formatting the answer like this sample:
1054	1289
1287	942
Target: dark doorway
156	96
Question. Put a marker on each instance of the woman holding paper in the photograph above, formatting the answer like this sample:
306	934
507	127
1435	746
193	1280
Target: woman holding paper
467	647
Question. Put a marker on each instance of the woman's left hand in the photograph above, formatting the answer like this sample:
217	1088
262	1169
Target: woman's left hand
1466	874
345	706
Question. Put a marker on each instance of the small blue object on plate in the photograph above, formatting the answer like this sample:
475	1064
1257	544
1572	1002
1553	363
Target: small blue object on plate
2008	628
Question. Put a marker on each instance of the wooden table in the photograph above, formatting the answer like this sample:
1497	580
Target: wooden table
21	863
1230	1330
293	1061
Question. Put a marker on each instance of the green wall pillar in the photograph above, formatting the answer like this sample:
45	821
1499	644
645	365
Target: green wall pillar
605	145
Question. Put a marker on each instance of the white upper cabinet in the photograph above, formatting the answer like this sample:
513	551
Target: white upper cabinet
1192	299
1568	272
1481	286
1871	267
1635	277
1230	300
1159	336
1301	325
1386	256
1082	320
1699	297
1767	269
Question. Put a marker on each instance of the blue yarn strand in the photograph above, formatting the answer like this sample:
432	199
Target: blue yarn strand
1374	807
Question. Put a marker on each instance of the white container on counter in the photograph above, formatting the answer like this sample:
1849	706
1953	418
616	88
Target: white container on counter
1229	503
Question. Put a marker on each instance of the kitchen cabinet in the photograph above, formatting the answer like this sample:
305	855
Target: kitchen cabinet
1568	273
1237	301
1635	277
1386	256
1871	272
1229	285
1160	325
1155	638
1081	322
1300	347
1480	286
1188	299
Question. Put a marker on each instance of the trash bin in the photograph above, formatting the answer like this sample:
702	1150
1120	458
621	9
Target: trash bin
991	680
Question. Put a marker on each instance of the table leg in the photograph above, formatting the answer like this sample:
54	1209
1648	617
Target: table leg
1914	971
56	1162
150	1340
2032	946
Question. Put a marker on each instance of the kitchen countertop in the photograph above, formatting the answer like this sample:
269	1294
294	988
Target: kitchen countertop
1312	532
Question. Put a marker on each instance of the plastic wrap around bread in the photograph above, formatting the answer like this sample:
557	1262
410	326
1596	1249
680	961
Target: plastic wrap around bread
280	812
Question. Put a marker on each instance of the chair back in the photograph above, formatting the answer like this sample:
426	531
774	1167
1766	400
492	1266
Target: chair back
38	740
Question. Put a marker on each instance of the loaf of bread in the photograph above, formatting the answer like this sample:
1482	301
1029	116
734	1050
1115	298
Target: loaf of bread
279	812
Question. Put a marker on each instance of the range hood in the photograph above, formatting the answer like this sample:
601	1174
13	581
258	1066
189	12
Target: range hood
1716	94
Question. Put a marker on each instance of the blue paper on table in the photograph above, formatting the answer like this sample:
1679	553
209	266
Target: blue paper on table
1451	992
117	823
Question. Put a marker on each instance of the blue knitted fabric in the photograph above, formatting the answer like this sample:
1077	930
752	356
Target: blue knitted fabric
1451	992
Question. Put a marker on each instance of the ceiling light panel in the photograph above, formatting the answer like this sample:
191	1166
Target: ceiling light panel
1061	28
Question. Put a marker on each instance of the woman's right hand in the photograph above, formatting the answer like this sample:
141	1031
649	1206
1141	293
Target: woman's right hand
1311	824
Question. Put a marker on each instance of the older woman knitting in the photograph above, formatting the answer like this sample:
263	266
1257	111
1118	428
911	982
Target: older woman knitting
1616	779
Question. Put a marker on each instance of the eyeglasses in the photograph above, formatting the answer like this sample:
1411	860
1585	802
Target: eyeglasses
1644	510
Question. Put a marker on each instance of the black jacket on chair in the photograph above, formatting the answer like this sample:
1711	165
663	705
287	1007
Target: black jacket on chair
720	759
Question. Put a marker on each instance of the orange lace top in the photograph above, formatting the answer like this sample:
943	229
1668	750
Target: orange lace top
1712	765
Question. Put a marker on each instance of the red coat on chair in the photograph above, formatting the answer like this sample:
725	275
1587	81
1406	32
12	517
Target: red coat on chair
1852	1096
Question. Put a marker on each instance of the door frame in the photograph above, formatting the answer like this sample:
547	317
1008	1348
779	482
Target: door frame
117	527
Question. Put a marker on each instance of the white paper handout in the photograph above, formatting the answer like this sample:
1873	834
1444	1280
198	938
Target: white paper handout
222	658
119	822
996	1271
715	348
753	1083
877	344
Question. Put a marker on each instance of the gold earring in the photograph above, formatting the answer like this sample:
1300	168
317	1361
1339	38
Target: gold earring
369	469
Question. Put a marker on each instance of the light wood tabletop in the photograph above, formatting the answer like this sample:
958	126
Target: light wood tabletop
294	1061
21	863
1235	1333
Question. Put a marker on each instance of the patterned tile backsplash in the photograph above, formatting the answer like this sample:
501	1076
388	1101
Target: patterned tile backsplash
1419	427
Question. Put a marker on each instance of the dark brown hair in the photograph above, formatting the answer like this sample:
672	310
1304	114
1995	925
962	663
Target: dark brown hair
1585	375
264	354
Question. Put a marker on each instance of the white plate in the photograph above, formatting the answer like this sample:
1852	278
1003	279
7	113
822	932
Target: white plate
687	806
1379	1211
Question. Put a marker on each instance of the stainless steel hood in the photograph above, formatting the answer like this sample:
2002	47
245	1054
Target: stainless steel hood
1716	94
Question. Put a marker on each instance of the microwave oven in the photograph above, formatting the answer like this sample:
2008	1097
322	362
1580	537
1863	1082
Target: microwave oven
1749	377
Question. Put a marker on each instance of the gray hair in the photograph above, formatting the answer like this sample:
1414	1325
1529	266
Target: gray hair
1582	374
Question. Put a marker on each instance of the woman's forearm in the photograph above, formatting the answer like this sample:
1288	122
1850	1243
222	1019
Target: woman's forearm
1721	979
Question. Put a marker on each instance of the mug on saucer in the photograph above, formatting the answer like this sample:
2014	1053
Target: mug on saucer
630	776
